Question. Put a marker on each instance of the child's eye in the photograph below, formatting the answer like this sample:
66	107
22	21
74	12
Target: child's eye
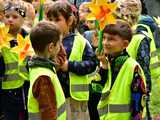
7	16
50	19
15	17
109	39
56	19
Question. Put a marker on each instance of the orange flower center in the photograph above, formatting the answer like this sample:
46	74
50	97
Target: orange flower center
103	11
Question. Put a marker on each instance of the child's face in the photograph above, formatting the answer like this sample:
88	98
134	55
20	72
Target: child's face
62	23
113	44
90	24
83	11
95	39
14	20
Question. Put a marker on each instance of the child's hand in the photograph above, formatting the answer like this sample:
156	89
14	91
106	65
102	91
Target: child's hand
102	58
61	56
64	67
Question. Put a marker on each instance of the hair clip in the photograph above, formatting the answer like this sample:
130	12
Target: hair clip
19	8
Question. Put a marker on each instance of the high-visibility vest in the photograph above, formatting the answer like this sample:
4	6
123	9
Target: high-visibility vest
133	48
23	71
33	106
79	85
95	86
12	78
154	65
115	102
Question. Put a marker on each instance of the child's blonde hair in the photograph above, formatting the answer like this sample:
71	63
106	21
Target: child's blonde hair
19	7
130	10
1	6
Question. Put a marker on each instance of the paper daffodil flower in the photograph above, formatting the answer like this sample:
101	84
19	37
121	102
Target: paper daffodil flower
3	35
102	11
23	47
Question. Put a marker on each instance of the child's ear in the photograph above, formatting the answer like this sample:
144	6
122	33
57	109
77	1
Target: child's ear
70	20
50	47
125	43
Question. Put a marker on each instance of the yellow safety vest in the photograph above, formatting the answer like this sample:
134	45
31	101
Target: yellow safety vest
13	69
115	102
154	65
79	85
133	48
33	106
12	78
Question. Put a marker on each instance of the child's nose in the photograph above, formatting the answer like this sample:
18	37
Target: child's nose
10	20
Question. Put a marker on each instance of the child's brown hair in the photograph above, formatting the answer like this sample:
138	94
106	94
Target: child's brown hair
121	28
60	8
65	9
42	34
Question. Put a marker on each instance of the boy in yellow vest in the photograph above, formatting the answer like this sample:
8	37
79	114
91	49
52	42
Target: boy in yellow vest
124	81
144	49
46	100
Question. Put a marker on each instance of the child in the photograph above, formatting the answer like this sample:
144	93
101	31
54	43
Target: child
30	16
95	91
92	37
81	61
144	48
46	99
125	79
14	87
83	12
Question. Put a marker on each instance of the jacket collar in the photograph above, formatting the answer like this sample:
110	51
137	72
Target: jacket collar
41	62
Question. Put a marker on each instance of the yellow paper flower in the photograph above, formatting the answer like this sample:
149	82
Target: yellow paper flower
3	35
23	47
102	11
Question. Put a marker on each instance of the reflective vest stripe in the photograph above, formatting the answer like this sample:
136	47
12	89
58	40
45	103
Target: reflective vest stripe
79	88
105	95
11	66
11	77
61	109
23	69
79	85
34	116
154	62
155	65
155	53
114	108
